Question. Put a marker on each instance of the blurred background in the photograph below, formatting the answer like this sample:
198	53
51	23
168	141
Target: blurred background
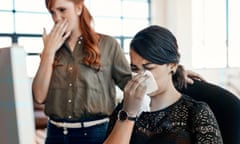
208	31
208	34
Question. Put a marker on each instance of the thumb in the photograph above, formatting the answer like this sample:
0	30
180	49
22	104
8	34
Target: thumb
44	33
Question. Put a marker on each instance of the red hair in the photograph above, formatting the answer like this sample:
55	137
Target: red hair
90	37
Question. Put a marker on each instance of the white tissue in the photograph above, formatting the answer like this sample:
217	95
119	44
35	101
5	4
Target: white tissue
151	87
150	82
145	107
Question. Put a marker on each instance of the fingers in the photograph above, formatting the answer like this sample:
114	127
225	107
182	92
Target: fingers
44	32
134	93
189	81
198	77
44	35
190	76
66	35
60	29
57	36
136	85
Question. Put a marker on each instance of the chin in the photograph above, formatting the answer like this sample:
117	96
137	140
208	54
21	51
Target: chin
152	94
155	93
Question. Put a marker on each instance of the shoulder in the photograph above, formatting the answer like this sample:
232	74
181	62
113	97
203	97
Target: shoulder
200	112
107	39
109	46
192	102
203	122
196	106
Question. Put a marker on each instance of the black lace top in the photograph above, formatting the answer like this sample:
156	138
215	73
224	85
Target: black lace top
185	122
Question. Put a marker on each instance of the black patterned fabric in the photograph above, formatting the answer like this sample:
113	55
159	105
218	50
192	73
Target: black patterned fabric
185	122
224	104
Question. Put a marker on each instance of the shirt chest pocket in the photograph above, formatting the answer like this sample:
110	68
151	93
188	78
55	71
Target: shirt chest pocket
96	80
60	76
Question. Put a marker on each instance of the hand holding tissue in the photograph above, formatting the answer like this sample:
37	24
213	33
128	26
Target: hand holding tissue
151	87
150	82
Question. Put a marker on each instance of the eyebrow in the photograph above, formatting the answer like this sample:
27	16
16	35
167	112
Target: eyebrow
133	66
144	65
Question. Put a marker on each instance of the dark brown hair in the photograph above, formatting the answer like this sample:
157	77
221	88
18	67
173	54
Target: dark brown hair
158	45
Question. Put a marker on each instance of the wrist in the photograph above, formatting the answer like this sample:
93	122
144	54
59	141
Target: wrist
130	111
49	56
124	115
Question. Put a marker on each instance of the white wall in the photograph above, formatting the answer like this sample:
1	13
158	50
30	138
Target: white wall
176	16
228	78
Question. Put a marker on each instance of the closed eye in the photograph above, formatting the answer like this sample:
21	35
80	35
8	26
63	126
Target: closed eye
134	68
61	9
148	66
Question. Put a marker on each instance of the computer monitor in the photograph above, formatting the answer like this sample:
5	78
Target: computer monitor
16	107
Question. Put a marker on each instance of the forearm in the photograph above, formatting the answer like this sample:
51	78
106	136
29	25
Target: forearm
42	78
121	133
133	97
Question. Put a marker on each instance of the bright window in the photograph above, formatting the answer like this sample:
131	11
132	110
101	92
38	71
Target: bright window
32	23
30	5
5	42
6	4
234	33
31	44
7	23
24	20
216	33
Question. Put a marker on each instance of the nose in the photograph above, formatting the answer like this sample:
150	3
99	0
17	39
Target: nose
56	17
141	70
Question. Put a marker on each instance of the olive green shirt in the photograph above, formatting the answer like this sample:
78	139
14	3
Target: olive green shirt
77	91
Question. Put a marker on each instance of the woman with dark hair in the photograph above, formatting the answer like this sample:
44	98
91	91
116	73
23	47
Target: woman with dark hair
173	118
77	75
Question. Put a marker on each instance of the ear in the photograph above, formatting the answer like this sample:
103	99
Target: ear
173	68
79	9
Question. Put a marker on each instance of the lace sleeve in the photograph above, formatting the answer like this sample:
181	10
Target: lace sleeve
206	128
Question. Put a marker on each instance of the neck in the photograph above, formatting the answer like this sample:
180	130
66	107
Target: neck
71	41
164	99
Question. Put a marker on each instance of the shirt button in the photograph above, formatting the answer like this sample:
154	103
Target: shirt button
70	68
69	101
70	84
79	42
69	117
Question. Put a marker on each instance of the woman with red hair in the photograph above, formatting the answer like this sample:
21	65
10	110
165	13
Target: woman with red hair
77	75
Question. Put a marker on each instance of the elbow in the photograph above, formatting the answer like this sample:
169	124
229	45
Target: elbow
37	99
38	96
